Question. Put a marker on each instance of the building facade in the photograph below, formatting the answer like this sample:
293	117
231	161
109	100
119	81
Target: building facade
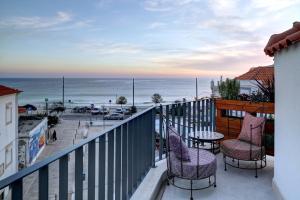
248	83
285	48
8	133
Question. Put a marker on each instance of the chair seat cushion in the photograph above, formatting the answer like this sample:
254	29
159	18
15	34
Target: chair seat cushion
207	165
238	149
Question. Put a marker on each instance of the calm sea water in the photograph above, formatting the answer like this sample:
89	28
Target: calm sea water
84	91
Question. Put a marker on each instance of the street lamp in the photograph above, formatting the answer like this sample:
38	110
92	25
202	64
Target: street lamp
46	100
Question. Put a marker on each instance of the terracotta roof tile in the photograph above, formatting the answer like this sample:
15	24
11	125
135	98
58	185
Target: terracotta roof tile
7	90
283	40
262	73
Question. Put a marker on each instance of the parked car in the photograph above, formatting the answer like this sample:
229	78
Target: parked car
104	111
95	111
119	110
124	111
114	116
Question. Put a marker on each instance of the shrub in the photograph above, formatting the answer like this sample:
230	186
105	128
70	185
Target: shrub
229	89
156	98
121	100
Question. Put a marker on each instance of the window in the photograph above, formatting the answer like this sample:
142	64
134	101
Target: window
8	113
1	169
8	155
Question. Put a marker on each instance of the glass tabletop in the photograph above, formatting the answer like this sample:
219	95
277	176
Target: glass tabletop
207	135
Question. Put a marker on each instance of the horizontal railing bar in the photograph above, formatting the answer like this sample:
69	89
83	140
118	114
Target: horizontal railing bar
29	170
202	98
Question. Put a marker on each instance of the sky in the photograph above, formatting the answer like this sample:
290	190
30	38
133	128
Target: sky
138	38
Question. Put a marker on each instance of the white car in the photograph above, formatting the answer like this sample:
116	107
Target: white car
114	116
95	111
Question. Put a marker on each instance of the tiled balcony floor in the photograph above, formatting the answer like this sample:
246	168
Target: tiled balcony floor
233	184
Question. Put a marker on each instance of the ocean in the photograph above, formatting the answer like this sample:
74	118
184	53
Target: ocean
98	91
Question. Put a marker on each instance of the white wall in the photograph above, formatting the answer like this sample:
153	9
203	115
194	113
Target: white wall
287	122
8	141
8	134
248	86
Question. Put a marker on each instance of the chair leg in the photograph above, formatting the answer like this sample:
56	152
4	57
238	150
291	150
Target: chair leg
225	167
191	190
215	180
255	169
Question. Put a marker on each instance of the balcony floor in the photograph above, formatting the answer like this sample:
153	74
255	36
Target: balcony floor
233	184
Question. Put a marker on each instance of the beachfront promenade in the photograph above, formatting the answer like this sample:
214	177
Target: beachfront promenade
66	130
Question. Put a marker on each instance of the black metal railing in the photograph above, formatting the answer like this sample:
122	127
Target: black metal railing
186	117
117	159
125	155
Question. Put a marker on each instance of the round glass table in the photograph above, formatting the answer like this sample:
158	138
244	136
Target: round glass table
208	140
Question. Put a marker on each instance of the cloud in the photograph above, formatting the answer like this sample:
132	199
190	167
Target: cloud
60	22
273	5
109	48
224	8
156	25
36	22
164	5
225	56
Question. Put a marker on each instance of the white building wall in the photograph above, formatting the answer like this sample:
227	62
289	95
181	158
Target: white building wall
287	123
248	86
8	136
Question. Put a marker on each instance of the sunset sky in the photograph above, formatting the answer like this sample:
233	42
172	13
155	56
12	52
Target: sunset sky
150	38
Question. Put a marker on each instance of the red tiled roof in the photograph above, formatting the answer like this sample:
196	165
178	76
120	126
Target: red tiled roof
263	73
283	40
6	90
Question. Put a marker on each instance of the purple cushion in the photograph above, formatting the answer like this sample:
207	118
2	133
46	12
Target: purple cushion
241	150
179	148
198	167
245	134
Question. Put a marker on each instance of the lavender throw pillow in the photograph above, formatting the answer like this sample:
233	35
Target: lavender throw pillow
256	132
179	148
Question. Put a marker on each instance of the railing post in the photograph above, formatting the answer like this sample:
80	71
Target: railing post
179	118
199	114
44	183
79	173
160	132
206	115
189	122
17	190
101	170
118	166
130	158
153	136
63	177
194	118
213	116
124	160
91	169
134	154
173	115
184	122
110	165
202	114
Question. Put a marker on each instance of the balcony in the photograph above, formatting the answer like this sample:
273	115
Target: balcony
127	162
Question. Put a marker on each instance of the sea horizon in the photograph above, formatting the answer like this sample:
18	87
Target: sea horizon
99	91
